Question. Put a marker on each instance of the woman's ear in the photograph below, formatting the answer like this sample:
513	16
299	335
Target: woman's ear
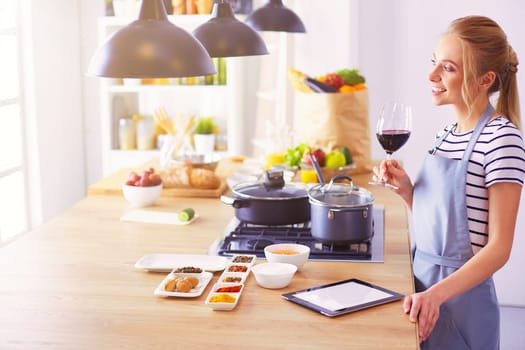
487	79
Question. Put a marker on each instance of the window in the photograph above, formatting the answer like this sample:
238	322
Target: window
14	209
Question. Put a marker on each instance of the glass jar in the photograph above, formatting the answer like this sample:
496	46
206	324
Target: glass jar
126	134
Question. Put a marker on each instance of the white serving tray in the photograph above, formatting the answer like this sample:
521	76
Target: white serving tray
168	262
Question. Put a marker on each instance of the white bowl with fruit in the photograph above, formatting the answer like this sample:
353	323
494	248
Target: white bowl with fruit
142	190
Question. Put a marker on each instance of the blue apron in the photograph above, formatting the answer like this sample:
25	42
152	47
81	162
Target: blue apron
442	245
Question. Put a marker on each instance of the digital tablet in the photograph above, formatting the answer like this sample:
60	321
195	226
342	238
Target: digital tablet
342	297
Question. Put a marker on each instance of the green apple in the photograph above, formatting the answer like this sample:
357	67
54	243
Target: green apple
335	159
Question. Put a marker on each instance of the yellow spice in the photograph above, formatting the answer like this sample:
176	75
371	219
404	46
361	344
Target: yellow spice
222	298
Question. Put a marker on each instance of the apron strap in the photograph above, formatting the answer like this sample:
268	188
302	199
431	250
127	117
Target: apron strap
439	259
483	120
440	139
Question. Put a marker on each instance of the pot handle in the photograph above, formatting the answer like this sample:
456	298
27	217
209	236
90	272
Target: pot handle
234	202
331	211
326	188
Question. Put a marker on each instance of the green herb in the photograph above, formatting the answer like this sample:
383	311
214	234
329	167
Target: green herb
351	76
205	125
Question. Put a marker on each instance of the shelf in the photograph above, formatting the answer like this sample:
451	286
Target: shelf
175	88
125	98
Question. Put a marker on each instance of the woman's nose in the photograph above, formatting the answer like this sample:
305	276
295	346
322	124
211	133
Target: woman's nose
433	75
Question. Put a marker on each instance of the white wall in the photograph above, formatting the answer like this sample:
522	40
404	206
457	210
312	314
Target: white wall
54	103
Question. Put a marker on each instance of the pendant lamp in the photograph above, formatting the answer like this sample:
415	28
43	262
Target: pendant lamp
276	17
225	36
151	47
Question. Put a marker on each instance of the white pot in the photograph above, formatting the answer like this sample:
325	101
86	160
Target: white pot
204	143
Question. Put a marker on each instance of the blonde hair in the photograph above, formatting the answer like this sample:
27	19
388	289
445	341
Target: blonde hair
485	48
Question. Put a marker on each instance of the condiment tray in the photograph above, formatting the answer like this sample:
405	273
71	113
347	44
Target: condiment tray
232	296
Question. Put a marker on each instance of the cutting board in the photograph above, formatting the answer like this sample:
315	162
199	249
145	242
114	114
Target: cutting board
112	186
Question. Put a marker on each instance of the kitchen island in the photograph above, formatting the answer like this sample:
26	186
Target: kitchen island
72	284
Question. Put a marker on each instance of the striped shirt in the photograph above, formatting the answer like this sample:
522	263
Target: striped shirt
499	156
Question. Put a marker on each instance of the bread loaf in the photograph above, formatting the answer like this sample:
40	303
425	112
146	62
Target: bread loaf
204	179
176	176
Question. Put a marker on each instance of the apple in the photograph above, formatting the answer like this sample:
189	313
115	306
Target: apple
318	154
133	176
147	178
155	179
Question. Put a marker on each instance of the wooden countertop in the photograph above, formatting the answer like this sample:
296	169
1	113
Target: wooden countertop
71	284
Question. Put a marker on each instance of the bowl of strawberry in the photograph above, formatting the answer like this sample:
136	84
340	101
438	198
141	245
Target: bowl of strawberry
144	189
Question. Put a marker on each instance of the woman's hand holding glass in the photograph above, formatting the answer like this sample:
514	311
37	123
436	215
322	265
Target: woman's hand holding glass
392	131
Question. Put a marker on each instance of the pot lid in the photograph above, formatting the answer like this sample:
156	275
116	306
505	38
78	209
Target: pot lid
340	194
261	191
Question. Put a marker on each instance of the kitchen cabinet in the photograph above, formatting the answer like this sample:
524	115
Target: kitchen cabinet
123	98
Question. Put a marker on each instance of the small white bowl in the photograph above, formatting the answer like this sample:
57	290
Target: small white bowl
141	196
274	275
283	253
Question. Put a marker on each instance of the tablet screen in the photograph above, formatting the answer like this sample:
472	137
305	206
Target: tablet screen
342	297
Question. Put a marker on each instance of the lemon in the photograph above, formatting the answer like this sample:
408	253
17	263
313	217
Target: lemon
335	159
308	176
273	159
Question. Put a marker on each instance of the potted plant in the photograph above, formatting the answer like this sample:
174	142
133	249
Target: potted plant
203	135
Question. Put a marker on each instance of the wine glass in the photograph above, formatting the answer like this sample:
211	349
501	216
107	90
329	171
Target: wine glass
392	131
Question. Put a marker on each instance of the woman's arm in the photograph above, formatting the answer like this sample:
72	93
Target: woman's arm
504	199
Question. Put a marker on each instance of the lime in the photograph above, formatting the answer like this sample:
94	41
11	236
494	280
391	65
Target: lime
335	159
186	214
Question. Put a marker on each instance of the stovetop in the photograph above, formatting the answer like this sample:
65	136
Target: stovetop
242	238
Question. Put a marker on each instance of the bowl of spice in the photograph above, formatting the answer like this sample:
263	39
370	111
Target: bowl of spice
289	253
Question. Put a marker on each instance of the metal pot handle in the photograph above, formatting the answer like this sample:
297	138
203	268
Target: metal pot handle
234	202
328	187
331	211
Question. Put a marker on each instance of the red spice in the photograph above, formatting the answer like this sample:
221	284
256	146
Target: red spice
232	289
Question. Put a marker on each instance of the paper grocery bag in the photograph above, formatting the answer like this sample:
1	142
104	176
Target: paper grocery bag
334	120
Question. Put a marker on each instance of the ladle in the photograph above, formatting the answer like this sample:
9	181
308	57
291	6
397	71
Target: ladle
317	168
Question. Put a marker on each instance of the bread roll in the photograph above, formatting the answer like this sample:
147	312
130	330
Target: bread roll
193	280
183	285
170	286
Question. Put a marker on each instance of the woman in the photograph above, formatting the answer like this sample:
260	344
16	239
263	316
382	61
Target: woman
466	197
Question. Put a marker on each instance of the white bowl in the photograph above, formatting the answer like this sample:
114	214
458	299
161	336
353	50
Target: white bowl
290	253
141	196
274	275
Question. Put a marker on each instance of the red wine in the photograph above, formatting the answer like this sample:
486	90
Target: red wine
392	140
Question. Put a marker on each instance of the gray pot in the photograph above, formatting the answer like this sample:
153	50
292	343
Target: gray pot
340	212
271	202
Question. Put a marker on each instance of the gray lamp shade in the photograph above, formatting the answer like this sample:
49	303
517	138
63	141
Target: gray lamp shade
225	36
151	47
276	17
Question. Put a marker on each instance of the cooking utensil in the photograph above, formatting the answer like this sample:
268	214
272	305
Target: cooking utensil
317	168
271	202
341	213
